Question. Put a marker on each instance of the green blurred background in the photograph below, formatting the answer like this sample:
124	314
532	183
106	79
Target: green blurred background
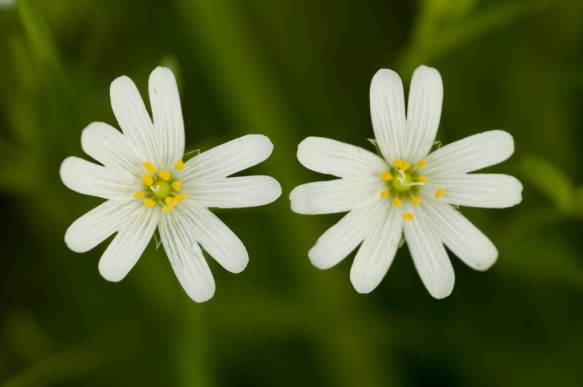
291	69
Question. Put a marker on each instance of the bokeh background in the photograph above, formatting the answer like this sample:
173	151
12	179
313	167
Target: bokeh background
291	69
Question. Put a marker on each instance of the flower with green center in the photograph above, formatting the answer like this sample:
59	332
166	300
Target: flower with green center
147	184
405	191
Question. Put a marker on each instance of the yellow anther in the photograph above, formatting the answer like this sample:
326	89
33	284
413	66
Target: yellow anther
170	201
398	163
408	216
420	164
406	166
384	194
149	203
179	164
386	176
164	175
423	179
167	208
176	186
396	202
439	193
139	194
416	201
179	198
147	179
149	166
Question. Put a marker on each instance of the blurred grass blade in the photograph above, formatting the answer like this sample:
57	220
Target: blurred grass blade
550	180
45	53
89	354
446	25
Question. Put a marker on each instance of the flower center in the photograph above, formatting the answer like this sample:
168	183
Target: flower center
160	187
403	181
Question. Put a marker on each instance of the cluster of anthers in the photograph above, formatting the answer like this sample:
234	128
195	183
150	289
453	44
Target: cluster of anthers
160	187
403	182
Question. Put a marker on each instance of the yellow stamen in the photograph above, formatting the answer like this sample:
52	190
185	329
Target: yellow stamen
386	176
149	166
408	216
384	194
170	201
179	198
396	202
439	193
420	163
176	186
139	195
423	179
406	166
167	208
149	203
147	179
415	200
179	164
164	175
398	163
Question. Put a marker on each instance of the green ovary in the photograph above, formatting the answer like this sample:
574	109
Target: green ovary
161	189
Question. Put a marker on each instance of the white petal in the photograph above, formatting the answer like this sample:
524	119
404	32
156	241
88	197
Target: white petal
186	257
234	192
167	114
387	109
215	237
98	224
111	148
228	158
470	154
339	159
128	245
328	197
423	112
487	190
342	238
133	118
91	179
377	252
462	237
429	255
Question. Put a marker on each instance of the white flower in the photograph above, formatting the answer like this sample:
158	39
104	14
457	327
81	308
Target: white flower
407	190
147	185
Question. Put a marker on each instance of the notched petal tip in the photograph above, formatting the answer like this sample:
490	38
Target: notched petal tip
240	267
306	147
273	190
382	76
161	77
110	274
443	291
486	262
261	141
204	297
426	70
120	83
504	142
72	241
515	191
70	170
317	259
429	79
362	285
159	70
299	198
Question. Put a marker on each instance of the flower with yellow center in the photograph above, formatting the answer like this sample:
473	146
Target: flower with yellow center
405	191
148	184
